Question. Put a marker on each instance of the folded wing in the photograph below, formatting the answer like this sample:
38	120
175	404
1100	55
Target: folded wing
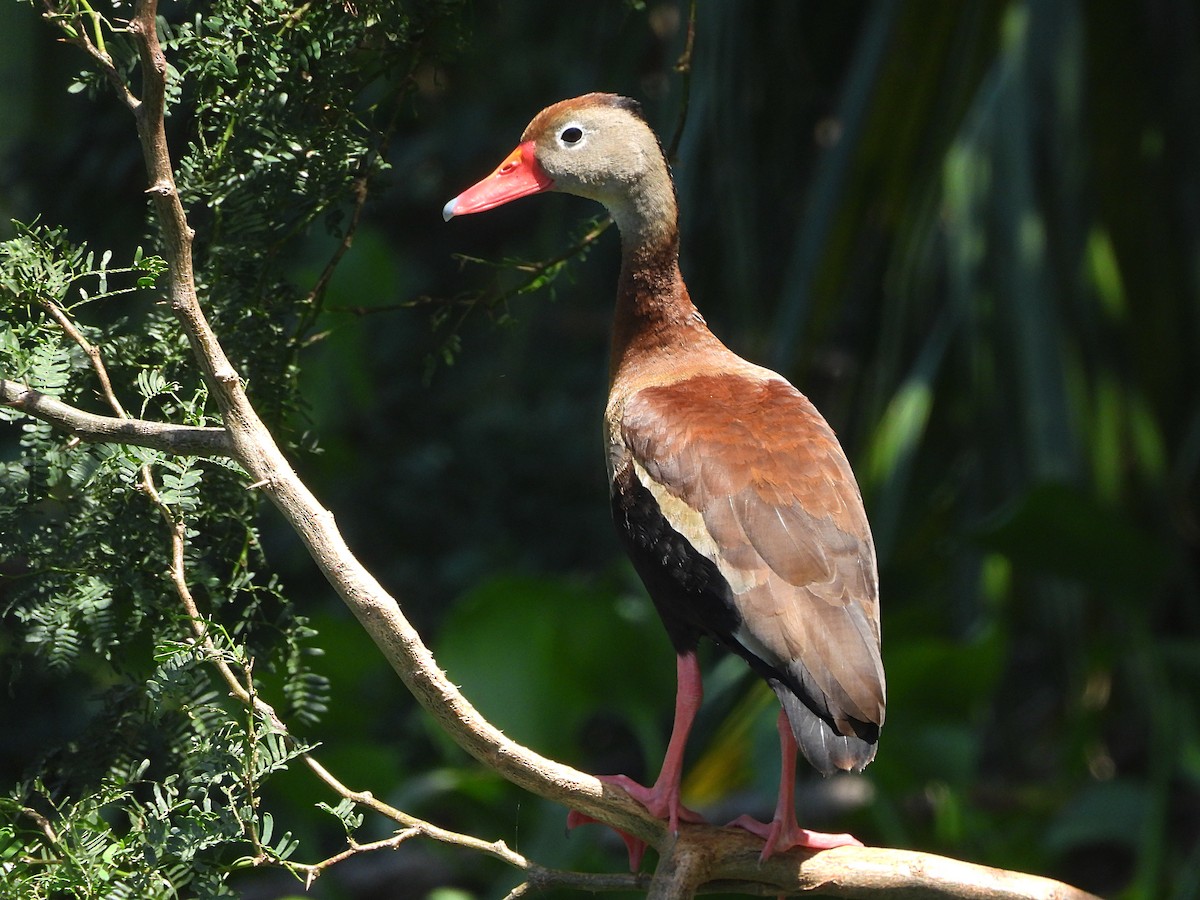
747	471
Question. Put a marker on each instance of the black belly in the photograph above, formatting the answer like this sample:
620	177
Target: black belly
693	599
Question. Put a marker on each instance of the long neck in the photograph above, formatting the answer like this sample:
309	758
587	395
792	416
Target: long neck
655	320
645	209
654	315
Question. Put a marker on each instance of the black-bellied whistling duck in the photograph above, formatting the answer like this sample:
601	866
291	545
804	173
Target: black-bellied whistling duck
730	492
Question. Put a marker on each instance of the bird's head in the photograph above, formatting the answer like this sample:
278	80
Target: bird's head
597	146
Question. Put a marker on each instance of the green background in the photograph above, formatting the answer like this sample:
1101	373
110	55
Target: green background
970	232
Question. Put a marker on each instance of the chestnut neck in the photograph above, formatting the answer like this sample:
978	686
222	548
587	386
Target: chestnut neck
654	315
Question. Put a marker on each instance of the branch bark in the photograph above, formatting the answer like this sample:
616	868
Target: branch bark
181	440
705	858
700	857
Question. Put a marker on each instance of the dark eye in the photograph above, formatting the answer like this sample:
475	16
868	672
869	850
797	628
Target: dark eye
571	135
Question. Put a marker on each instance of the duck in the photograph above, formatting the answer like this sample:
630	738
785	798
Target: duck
730	492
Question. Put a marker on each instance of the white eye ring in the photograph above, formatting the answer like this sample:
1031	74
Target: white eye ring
571	135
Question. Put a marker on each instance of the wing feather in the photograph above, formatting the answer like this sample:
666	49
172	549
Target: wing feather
762	481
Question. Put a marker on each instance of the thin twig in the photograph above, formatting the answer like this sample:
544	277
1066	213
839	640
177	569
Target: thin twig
312	871
535	270
42	823
360	190
72	24
64	321
683	66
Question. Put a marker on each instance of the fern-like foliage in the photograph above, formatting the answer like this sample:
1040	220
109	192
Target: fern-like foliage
287	110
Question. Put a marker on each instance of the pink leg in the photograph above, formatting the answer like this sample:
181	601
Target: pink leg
662	800
783	833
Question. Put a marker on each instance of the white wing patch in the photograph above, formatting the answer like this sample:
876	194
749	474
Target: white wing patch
689	522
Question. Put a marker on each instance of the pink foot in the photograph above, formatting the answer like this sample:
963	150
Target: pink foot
779	836
662	800
662	803
635	847
782	833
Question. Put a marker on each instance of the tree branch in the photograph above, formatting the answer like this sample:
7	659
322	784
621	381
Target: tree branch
180	440
76	30
726	859
255	449
60	316
700	854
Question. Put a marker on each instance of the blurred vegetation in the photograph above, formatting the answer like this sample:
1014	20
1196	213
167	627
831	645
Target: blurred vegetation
970	232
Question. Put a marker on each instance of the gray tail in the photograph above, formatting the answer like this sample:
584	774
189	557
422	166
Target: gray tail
820	742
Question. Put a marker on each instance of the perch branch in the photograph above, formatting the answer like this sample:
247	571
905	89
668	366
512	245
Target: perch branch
699	853
727	859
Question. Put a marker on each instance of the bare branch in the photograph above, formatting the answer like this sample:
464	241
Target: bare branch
313	871
93	353
537	877
42	822
180	440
